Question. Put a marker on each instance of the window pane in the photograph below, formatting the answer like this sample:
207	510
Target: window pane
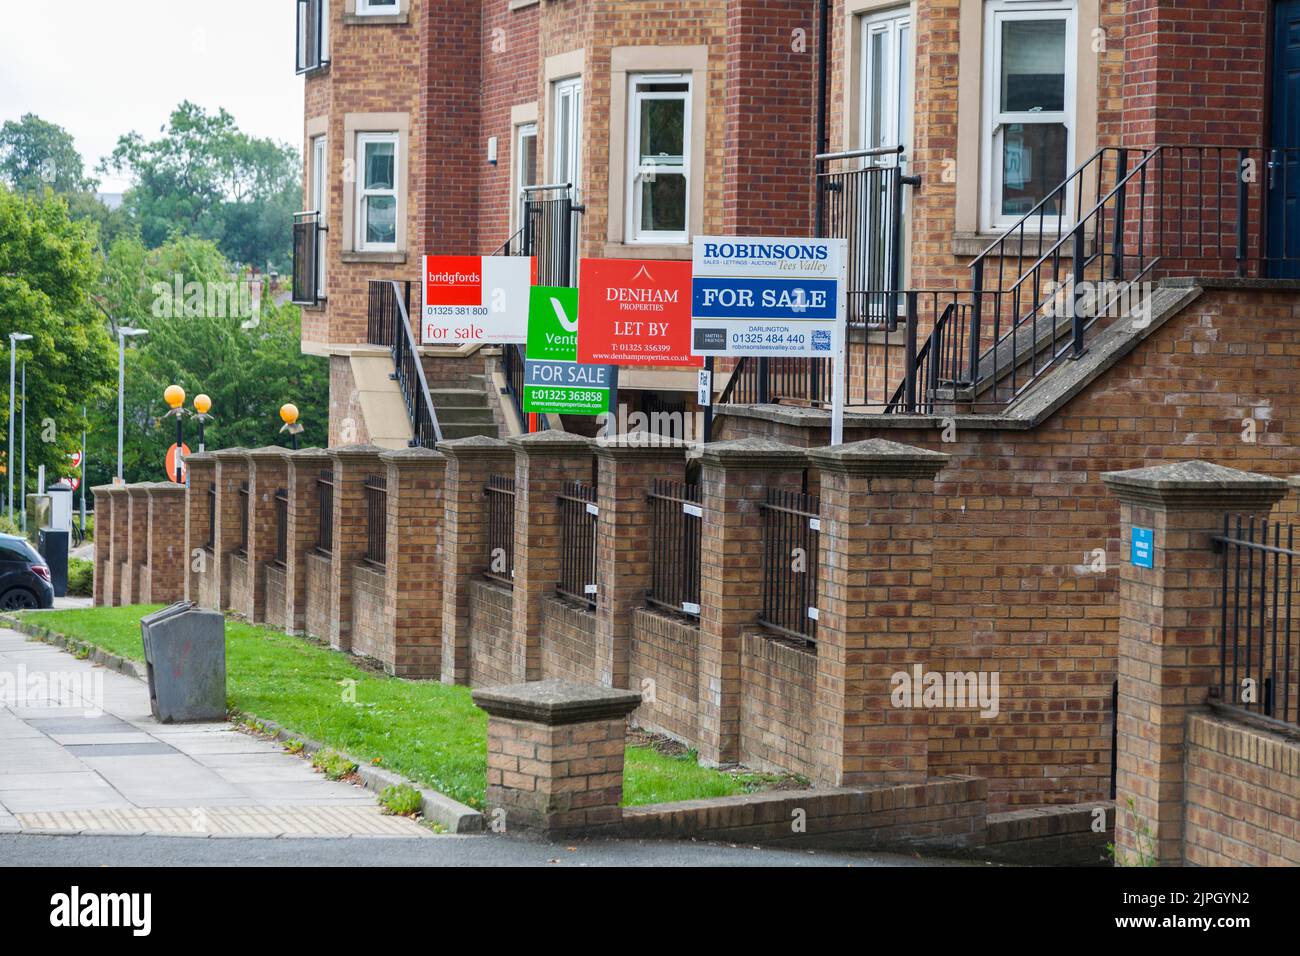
662	132
528	160
877	74
1033	164
381	219
663	203
1033	66
379	166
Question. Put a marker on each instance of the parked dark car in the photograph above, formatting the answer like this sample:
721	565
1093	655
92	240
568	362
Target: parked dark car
24	576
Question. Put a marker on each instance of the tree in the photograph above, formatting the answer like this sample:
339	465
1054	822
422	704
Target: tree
206	336
48	271
35	154
205	177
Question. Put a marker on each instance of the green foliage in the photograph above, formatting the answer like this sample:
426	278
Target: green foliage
81	577
401	799
205	177
35	155
9	525
334	765
47	272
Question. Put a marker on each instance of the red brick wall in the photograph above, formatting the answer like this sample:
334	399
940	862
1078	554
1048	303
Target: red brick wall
491	616
662	665
1019	513
1242	796
569	643
275	601
777	683
318	596
371	634
241	592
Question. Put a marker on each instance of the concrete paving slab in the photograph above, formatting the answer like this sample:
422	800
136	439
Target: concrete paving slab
43	780
147	747
61	798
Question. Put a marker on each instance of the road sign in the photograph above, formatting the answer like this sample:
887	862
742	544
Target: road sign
74	482
480	300
636	312
767	296
76	459
175	468
555	382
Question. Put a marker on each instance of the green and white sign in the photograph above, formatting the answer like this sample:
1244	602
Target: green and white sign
555	382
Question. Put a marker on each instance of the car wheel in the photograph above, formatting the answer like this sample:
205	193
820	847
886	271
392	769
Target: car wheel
18	599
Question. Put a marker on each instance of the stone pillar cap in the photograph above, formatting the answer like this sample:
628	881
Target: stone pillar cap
163	487
551	443
107	489
305	454
267	451
1195	484
413	456
476	446
140	487
555	702
222	454
639	443
355	451
878	457
754	453
202	457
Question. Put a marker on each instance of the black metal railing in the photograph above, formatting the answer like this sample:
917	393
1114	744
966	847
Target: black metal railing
388	323
500	493
313	30
549	232
244	503
376	492
578	517
791	537
325	512
281	527
675	520
212	517
1259	664
308	238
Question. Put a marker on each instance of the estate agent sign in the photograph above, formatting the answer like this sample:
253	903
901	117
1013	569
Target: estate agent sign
479	300
635	312
555	382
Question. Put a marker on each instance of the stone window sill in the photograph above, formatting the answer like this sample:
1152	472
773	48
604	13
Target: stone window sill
648	250
385	258
375	20
523	4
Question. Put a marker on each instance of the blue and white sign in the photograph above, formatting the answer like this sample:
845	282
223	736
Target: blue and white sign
1143	551
767	296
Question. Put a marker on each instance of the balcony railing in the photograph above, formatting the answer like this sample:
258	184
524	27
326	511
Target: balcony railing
313	35
549	232
308	258
389	323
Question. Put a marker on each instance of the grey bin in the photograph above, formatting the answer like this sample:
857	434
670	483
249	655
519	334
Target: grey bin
185	653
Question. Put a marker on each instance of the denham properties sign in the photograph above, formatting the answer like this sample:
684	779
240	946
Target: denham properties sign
767	296
555	382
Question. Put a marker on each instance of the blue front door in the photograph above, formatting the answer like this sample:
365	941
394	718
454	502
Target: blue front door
1283	174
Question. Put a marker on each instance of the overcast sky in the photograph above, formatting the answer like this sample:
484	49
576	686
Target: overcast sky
101	68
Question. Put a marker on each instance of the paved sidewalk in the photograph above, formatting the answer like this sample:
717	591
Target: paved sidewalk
80	752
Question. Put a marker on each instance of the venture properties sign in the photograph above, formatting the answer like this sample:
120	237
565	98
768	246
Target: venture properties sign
480	300
635	312
554	381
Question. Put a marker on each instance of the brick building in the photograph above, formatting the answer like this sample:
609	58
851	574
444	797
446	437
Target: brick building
1073	246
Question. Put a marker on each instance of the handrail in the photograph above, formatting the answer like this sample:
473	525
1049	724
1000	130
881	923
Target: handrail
405	347
858	153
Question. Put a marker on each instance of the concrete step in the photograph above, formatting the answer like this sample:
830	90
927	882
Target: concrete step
467	429
458	398
464	415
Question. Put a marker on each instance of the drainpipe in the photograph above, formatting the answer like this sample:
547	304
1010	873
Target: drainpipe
823	84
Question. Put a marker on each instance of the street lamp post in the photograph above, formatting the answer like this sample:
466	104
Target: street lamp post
175	398
123	334
201	406
22	473
14	338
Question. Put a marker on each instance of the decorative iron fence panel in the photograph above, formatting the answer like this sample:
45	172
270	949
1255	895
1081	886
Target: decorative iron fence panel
281	526
791	537
243	517
675	520
578	517
376	491
500	492
325	502
212	517
1259	662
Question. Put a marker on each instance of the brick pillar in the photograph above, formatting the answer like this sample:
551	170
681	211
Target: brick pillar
735	478
302	470
166	543
134	585
352	463
266	476
413	573
543	463
231	471
201	473
874	612
1168	635
103	587
116	542
470	462
629	466
555	755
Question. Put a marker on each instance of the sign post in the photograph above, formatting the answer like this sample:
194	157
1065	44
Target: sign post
773	297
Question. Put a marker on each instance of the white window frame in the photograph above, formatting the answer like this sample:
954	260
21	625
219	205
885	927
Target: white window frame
364	140
997	12
523	131
634	171
569	88
372	8
319	171
897	121
324	31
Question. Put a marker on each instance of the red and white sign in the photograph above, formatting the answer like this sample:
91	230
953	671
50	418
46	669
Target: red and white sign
76	459
74	482
635	312
175	465
476	300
